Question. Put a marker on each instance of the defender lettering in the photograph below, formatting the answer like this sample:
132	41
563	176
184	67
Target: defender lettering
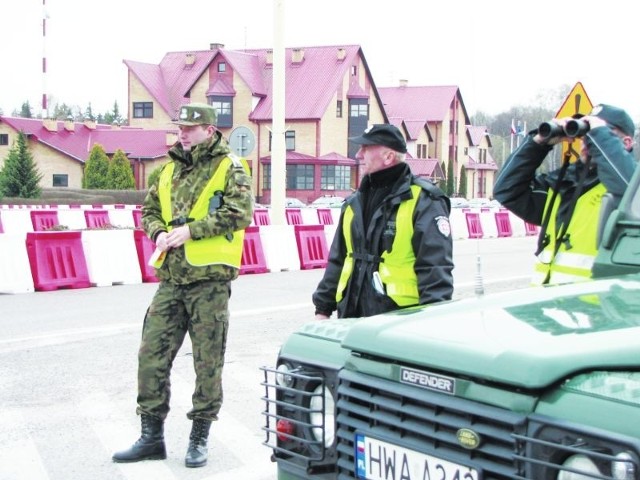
427	380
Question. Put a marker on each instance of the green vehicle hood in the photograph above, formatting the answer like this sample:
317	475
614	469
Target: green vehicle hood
548	332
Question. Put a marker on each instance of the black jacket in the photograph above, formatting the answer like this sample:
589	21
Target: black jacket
522	191
431	241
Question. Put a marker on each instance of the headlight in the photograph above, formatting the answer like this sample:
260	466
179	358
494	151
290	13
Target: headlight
315	418
579	462
623	468
282	378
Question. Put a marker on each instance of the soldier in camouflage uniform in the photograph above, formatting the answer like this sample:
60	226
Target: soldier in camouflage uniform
196	214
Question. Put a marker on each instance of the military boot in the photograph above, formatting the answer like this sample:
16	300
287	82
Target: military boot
150	445
197	452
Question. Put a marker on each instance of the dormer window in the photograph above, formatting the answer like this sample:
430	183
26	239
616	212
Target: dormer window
222	67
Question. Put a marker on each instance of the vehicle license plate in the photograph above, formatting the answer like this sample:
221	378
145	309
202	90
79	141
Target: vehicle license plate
378	460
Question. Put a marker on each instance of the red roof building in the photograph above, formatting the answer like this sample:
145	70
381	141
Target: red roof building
60	148
330	95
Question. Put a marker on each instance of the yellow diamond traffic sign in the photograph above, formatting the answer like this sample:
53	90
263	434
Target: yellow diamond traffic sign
576	102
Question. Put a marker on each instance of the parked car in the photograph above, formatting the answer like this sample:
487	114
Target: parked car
327	201
291	202
459	202
479	202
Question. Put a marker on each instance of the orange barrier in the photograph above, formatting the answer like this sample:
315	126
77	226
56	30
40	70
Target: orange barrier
137	217
253	259
294	216
324	216
312	246
504	224
57	260
473	225
44	219
145	248
530	229
261	216
96	218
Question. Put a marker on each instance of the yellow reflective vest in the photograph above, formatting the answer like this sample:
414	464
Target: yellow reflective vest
398	276
573	260
205	251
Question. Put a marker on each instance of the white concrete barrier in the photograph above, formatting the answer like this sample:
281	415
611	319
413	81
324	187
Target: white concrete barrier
121	217
279	247
458	223
72	218
488	223
111	257
517	225
309	216
16	221
15	274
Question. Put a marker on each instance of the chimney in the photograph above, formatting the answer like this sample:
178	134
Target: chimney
189	60
404	83
69	125
216	46
172	138
50	124
269	58
342	53
297	55
90	124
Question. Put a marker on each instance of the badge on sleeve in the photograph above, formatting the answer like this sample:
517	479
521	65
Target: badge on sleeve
443	225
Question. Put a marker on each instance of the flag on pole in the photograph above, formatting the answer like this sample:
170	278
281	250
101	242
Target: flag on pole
513	127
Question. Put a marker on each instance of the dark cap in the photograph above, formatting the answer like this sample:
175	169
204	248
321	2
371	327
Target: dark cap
196	114
382	134
616	117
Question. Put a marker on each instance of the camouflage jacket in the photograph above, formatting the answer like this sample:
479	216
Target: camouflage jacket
191	173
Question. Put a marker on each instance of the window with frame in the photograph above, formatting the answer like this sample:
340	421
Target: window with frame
222	67
335	177
300	177
359	110
142	109
60	180
289	140
266	177
4	139
224	109
339	109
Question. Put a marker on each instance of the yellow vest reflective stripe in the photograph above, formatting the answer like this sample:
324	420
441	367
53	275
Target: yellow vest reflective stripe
573	264
396	270
206	251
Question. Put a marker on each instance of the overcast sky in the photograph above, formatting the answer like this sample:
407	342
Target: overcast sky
501	53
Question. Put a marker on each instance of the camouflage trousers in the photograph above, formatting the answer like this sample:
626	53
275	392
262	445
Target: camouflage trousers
202	310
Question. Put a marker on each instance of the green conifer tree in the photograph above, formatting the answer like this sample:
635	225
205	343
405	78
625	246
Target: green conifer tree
462	190
25	110
153	176
120	176
96	169
19	176
450	187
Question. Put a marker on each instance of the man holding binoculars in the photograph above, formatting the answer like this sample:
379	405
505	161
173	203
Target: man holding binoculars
566	203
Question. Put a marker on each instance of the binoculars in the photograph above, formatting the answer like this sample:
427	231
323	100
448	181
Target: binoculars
573	128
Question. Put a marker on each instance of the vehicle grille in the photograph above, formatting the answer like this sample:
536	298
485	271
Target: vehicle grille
406	415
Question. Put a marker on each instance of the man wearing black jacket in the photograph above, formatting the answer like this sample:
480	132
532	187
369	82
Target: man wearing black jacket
566	203
392	247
